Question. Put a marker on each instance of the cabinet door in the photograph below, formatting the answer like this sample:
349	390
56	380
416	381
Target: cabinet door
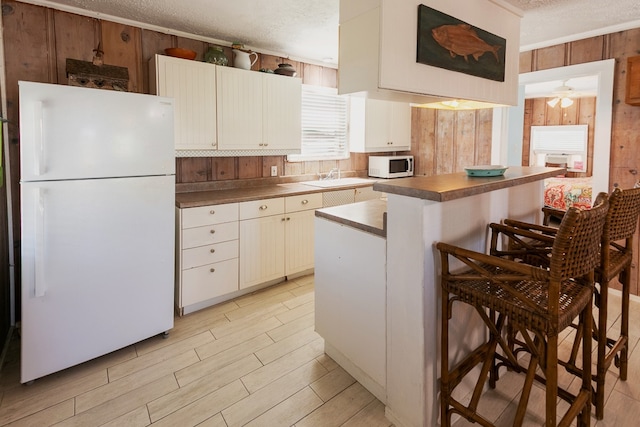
299	232
193	87
282	102
400	125
366	193
377	125
261	250
239	94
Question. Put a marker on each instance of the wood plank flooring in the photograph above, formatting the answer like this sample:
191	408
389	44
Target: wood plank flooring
253	361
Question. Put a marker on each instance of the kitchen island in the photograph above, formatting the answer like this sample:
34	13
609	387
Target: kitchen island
421	211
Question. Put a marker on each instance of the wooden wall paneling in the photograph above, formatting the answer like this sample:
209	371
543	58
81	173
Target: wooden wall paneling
625	146
346	165
312	74
526	61
293	168
444	141
359	161
569	115
269	62
423	140
586	50
27	57
76	37
464	140
152	43
550	57
225	168
312	167
526	134
552	116
483	136
329	77
196	45
268	161
250	167
587	116
327	165
193	169
122	46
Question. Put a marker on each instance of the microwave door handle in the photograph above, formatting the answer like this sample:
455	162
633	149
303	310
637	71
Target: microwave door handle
410	168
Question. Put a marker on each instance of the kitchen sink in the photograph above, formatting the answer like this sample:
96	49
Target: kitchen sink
340	182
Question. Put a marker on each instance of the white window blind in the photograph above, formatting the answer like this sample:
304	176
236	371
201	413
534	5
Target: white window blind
559	139
324	125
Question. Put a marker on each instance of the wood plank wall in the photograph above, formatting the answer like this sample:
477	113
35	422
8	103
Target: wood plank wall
625	127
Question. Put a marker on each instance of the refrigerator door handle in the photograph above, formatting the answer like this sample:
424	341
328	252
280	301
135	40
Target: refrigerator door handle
39	260
38	134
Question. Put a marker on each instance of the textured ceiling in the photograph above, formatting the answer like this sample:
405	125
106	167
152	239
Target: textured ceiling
308	29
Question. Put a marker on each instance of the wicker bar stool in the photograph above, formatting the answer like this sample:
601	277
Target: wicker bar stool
536	302
620	226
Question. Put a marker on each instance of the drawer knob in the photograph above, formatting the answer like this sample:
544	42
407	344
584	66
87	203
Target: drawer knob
305	201
212	251
213	270
212	231
212	212
263	207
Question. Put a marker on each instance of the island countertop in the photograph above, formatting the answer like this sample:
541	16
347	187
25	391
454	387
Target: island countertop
441	188
369	216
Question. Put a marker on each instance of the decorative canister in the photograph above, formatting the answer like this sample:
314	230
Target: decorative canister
286	70
215	55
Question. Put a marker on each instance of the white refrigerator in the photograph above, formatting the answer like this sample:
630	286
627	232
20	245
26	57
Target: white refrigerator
97	204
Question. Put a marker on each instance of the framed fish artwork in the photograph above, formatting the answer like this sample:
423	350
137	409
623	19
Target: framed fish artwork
447	42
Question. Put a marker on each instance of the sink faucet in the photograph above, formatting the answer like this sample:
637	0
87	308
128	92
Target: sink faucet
332	174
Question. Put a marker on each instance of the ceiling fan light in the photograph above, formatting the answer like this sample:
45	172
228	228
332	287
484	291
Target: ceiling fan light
566	102
552	103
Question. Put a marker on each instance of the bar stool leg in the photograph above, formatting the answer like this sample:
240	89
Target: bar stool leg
625	279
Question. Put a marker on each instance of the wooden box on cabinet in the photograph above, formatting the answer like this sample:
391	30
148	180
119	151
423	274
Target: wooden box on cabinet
632	91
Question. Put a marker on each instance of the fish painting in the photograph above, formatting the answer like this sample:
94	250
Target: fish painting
462	40
444	41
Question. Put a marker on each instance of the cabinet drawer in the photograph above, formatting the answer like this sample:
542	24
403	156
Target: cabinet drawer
209	234
213	214
303	202
260	208
195	257
209	281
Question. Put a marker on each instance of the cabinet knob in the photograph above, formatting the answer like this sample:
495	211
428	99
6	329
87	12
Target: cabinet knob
212	212
304	202
266	144
212	270
283	219
263	207
288	219
212	231
212	250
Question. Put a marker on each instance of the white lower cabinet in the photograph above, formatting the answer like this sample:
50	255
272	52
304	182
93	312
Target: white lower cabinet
224	250
207	258
276	237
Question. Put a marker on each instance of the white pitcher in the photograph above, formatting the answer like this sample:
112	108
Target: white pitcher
242	59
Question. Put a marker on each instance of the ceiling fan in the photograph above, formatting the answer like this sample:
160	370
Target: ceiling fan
563	95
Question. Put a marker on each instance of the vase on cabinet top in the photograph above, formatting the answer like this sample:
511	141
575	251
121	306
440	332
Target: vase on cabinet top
242	59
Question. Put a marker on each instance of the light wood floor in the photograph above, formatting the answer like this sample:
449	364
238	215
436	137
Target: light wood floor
253	361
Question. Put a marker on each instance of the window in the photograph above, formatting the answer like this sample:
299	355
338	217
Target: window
568	142
324	125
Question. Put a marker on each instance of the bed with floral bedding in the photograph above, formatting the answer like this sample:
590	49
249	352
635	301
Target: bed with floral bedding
562	193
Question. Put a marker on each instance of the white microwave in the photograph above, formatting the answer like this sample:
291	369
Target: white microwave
390	166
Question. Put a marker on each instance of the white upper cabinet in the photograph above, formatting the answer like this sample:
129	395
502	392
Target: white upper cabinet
192	85
378	126
258	111
239	109
378	45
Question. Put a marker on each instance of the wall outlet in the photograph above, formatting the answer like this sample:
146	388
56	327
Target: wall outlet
274	170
